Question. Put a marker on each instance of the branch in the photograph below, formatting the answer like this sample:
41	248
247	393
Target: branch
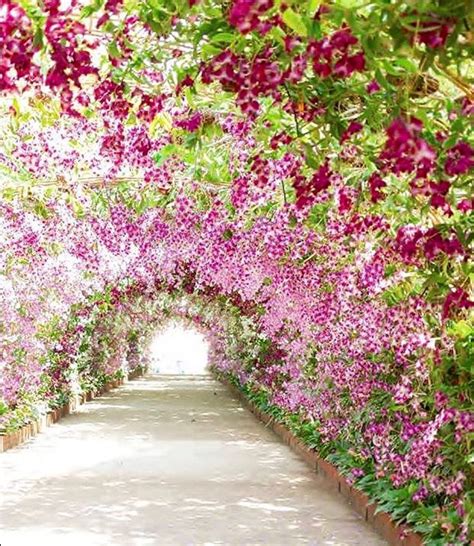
295	117
456	80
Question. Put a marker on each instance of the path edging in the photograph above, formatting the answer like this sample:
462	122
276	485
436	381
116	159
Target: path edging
395	534
20	436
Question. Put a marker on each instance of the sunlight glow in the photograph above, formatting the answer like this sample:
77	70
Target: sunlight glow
179	350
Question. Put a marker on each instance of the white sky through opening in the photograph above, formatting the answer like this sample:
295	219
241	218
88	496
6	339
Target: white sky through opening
178	350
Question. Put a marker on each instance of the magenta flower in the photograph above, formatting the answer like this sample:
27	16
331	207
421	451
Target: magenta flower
376	183
421	494
245	14
460	159
435	32
456	299
372	87
405	151
190	123
466	205
353	128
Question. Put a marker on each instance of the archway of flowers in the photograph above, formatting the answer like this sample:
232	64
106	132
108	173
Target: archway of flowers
294	178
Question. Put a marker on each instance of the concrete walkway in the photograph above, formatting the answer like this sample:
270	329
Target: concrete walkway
167	460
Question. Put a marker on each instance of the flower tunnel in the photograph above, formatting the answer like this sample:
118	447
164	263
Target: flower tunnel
292	179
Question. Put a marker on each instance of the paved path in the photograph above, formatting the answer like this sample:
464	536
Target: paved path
167	461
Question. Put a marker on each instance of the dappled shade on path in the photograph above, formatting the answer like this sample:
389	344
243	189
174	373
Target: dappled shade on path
167	460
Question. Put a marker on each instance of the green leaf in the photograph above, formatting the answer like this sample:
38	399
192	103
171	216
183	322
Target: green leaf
41	210
38	39
163	120
209	50
348	3
407	64
164	154
227	37
382	80
313	5
294	21
114	50
87	11
461	329
311	158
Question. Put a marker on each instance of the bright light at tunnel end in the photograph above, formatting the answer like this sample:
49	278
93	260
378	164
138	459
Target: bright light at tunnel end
178	349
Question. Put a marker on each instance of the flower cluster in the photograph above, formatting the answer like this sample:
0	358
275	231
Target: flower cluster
16	47
245	15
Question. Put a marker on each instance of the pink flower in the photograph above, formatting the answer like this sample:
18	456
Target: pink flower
421	494
405	151
245	14
190	123
460	159
456	299
376	183
435	244
335	55
435	32
372	87
187	81
353	128
465	205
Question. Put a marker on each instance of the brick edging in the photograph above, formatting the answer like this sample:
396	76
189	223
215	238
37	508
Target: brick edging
20	436
394	534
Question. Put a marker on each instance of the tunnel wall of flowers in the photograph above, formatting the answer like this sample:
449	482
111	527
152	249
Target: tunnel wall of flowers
293	178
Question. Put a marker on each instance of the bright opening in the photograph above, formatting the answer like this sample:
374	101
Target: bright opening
177	350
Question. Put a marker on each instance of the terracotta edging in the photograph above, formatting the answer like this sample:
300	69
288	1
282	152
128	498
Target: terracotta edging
20	436
394	534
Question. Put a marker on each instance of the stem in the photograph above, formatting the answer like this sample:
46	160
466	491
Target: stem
456	80
295	117
285	201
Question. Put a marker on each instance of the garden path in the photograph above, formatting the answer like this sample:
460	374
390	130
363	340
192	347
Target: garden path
167	460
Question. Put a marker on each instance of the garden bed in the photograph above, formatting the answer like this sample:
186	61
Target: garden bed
394	534
13	439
